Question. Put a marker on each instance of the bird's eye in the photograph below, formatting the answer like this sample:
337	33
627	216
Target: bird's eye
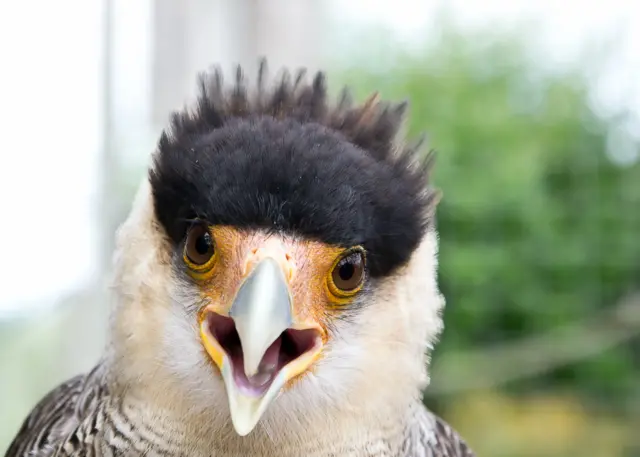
199	248
348	274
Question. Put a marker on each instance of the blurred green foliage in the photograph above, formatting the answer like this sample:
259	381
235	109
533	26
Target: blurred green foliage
539	230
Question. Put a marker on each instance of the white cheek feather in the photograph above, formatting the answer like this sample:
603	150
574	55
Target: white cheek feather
182	353
184	359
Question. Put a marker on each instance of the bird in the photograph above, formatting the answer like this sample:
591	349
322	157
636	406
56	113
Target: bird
274	287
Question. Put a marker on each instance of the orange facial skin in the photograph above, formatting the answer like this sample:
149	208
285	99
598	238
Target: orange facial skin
307	266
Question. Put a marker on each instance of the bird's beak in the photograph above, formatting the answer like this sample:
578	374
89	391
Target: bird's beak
258	345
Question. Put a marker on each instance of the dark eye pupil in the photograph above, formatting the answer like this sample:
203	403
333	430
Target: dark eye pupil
347	271
203	244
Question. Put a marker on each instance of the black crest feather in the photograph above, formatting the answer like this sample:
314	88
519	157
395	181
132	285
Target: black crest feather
283	158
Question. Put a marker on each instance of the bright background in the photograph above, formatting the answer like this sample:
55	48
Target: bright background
534	107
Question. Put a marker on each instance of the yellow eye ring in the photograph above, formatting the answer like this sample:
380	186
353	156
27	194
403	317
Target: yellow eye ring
200	253
347	275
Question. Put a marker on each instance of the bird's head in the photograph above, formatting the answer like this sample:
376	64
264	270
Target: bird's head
280	259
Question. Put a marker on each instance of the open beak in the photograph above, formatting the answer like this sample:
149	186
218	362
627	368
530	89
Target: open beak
258	345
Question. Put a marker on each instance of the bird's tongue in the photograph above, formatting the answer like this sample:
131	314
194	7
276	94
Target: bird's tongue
267	370
268	365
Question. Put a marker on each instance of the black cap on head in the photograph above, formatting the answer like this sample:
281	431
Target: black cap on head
284	160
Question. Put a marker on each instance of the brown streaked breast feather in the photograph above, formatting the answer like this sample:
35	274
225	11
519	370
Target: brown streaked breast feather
430	436
55	416
447	442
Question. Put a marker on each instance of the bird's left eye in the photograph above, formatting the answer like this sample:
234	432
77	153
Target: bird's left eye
348	274
199	249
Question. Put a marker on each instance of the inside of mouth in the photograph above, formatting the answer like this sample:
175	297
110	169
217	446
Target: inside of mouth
290	345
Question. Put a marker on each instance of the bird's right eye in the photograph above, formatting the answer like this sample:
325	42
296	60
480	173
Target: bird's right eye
199	248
